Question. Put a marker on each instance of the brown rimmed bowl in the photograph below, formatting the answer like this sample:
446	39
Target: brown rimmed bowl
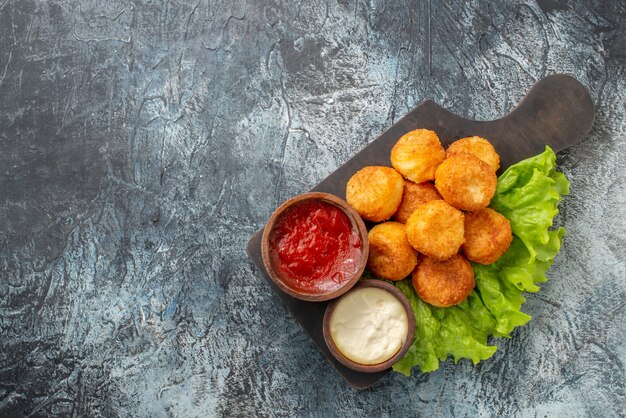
371	368
276	277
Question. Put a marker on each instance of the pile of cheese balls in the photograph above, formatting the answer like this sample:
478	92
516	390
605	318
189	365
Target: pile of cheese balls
437	201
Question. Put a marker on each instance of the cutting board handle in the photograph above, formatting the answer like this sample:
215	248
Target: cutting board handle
557	111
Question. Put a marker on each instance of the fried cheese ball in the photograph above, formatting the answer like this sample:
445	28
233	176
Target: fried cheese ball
487	236
436	229
391	256
466	182
443	283
417	154
375	192
478	147
413	196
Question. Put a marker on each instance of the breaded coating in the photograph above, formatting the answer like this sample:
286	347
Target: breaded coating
413	196
417	154
436	229
443	283
487	236
478	147
375	192
466	182
391	256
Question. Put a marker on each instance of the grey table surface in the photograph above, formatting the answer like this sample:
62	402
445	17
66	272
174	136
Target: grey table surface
143	142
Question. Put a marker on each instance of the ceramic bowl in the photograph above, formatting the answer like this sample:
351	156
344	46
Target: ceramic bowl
371	368
274	273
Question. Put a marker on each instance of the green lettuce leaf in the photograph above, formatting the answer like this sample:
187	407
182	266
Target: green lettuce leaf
528	194
460	331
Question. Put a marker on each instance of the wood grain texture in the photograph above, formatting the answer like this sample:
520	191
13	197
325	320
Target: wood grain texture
142	143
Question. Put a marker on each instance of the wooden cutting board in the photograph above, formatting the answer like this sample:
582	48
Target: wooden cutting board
557	112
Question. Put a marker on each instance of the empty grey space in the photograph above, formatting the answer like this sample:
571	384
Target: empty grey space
143	142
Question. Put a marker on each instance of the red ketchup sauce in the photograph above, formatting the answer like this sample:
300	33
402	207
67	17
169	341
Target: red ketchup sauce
314	247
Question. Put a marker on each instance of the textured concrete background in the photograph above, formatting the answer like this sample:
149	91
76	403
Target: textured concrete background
143	142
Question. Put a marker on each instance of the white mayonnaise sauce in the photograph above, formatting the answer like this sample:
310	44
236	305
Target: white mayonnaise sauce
369	325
